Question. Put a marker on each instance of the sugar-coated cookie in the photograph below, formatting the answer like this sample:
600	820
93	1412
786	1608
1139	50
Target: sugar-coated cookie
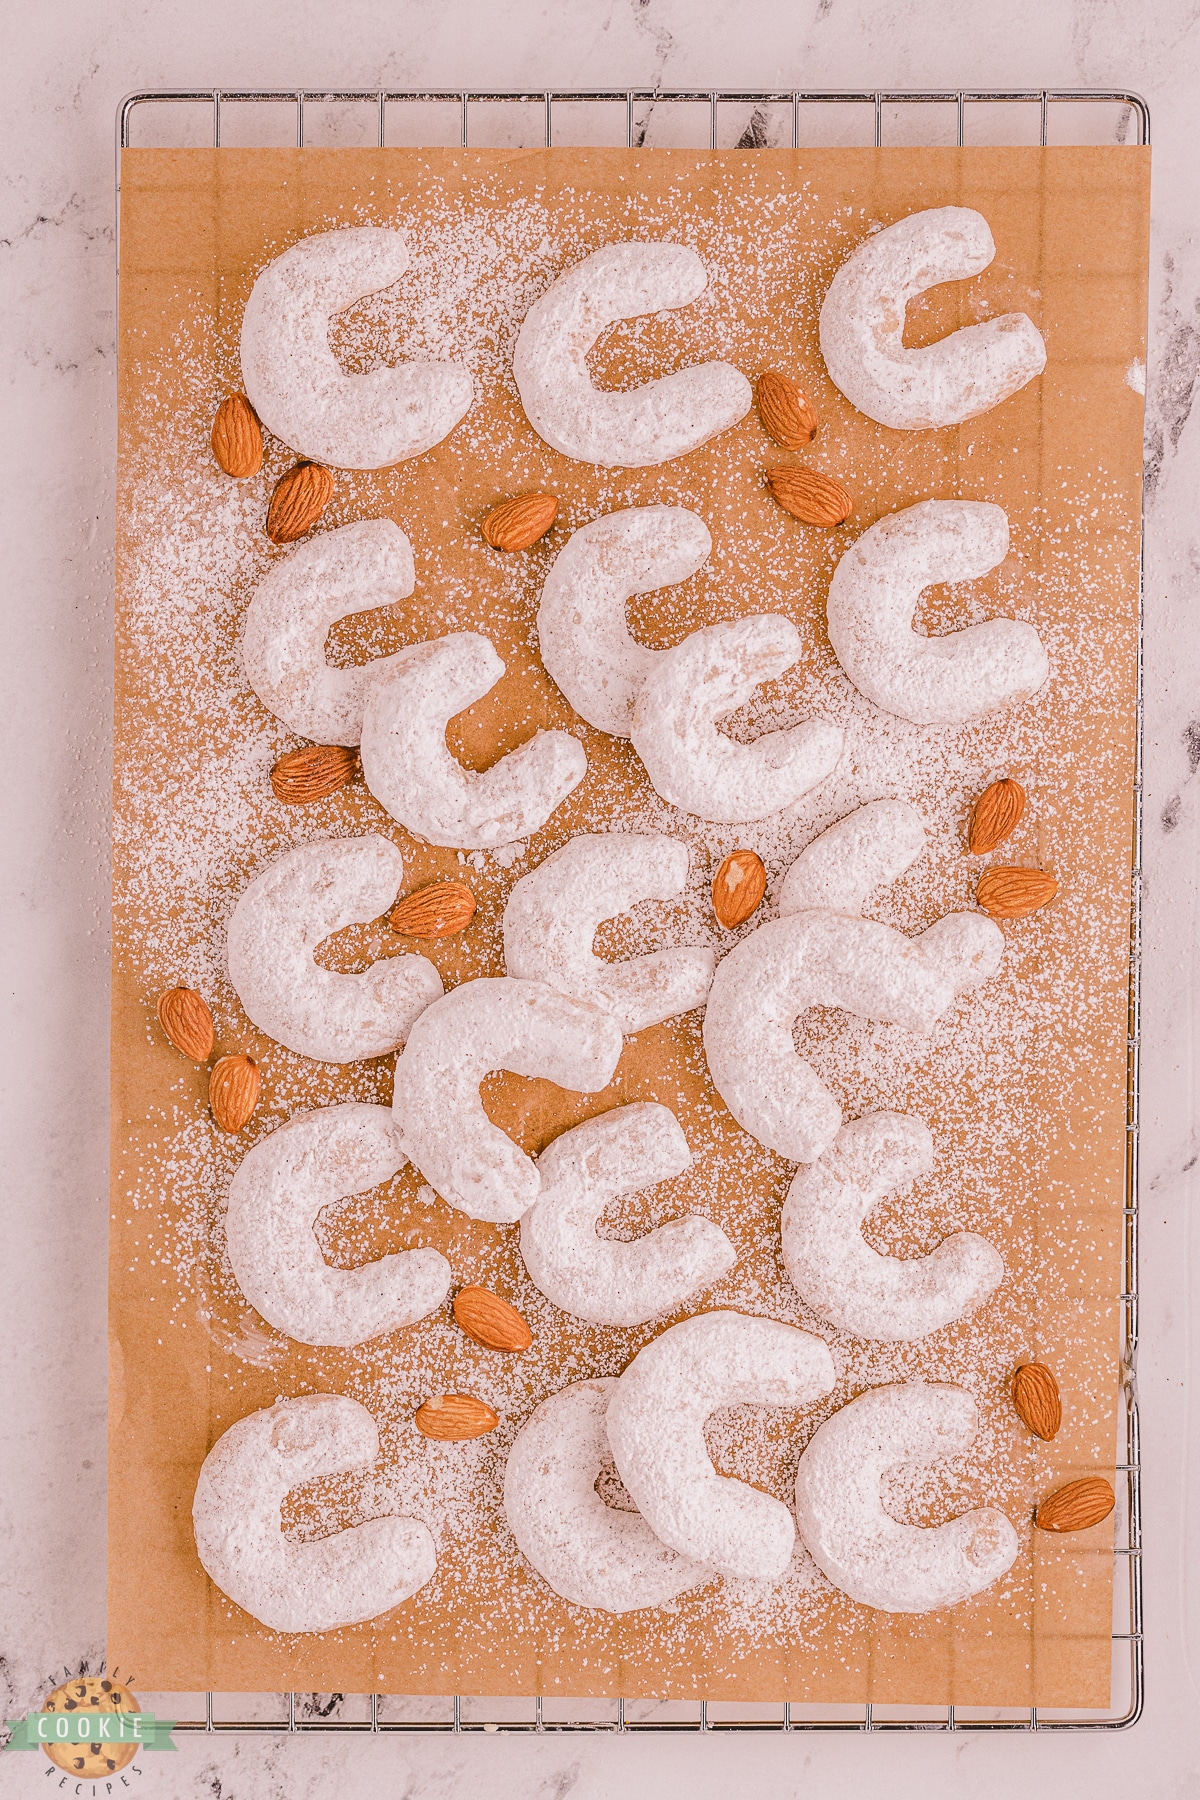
603	1279
408	766
294	381
286	913
330	577
642	426
862	327
874	594
281	1185
834	1269
583	630
237	1516
589	1553
655	1424
868	849
481	1026
698	768
826	959
553	913
839	1507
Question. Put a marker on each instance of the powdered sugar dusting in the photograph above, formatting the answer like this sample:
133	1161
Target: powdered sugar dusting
1018	1071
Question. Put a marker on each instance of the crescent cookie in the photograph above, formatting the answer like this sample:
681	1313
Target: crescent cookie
862	327
286	913
646	425
553	913
603	1279
834	1269
874	594
589	1553
583	632
655	1424
294	381
330	577
479	1027
870	848
280	1187
826	959
694	766
839	1508
237	1516
408	766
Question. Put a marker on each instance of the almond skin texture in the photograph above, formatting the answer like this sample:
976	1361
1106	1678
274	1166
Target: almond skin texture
996	814
1036	1399
738	887
1076	1506
491	1321
237	438
785	411
1013	893
814	498
300	498
188	1023
233	1091
455	1416
312	773
437	911
516	524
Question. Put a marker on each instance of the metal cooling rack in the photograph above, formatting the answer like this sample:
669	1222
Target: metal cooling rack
700	119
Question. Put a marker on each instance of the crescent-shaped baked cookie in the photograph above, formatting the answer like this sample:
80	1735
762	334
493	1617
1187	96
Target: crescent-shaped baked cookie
862	327
282	1184
605	1280
874	594
694	766
296	384
655	1425
826	959
868	849
834	1269
237	1517
642	426
330	577
553	913
583	631
283	917
589	1553
408	766
478	1027
859	1546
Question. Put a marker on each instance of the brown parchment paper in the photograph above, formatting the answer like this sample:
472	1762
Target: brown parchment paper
1023	1085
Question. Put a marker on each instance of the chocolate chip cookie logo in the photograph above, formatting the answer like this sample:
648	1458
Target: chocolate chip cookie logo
91	1728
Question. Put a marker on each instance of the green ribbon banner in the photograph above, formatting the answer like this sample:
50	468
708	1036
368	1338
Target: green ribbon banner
36	1730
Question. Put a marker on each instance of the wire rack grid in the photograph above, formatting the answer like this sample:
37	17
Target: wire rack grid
699	119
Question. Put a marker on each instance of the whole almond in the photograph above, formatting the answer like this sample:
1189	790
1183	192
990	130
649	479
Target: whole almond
491	1321
300	498
454	1416
1013	893
785	411
437	911
738	887
516	524
808	495
312	773
996	813
237	437
233	1091
1036	1399
1076	1506
188	1023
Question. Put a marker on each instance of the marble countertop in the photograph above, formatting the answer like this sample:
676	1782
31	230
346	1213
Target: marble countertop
68	66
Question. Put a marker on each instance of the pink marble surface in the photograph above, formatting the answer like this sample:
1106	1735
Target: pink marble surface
67	66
